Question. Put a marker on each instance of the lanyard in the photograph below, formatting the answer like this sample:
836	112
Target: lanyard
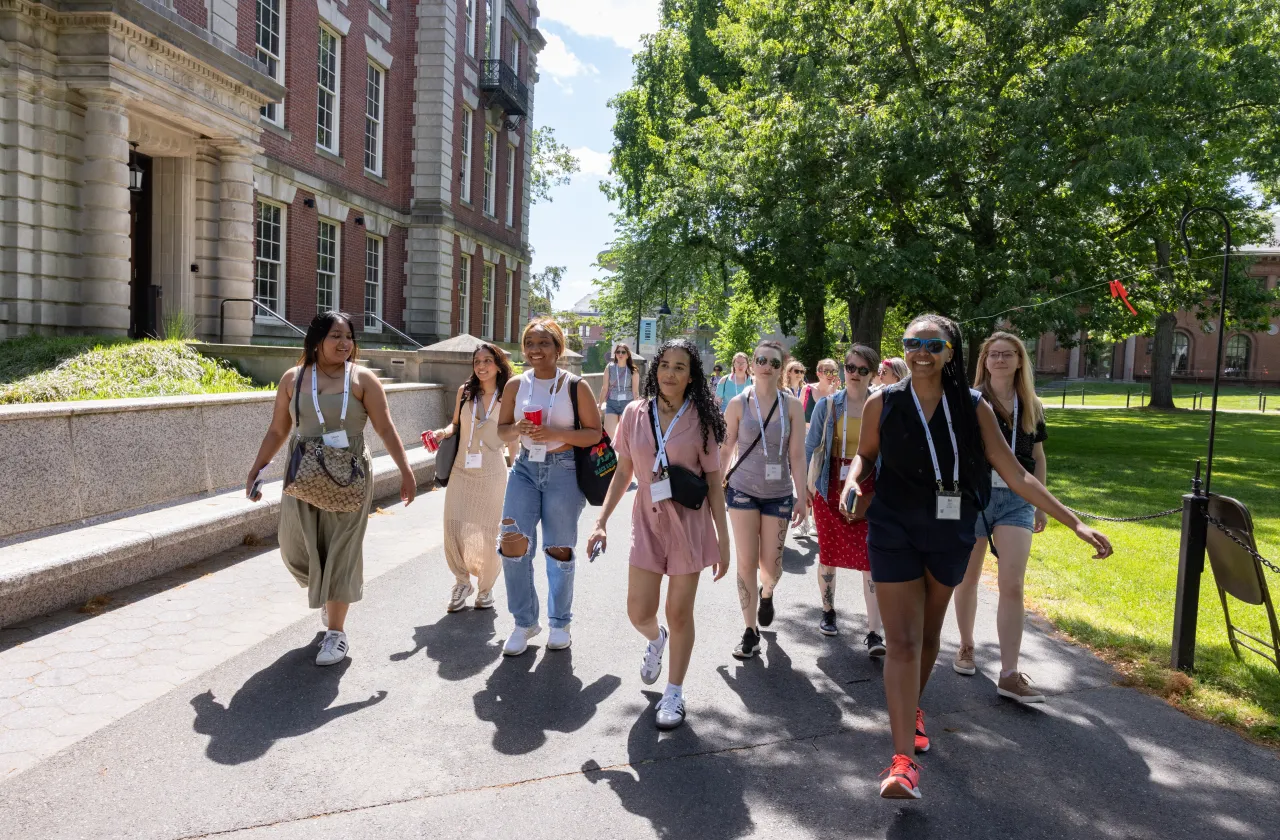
660	458
475	416
844	427
620	384
782	441
933	453
1014	444
552	390
315	395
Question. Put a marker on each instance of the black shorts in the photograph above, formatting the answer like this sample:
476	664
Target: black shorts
901	546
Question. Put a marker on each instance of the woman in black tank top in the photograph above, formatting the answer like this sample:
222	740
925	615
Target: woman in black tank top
936	445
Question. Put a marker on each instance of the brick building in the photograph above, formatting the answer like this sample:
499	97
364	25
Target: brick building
165	157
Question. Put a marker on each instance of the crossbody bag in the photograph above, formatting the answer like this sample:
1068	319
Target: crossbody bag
687	487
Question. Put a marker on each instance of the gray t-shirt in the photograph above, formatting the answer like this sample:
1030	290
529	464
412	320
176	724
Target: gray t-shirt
749	477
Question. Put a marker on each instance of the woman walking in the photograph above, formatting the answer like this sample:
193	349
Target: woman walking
929	441
677	427
765	436
733	384
620	386
842	543
794	379
828	384
537	408
1007	384
324	551
892	370
478	482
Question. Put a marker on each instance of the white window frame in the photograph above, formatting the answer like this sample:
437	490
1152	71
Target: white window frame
486	301
279	261
468	119
490	170
336	275
373	117
515	55
272	112
511	280
375	246
464	293
334	128
511	185
471	28
492	32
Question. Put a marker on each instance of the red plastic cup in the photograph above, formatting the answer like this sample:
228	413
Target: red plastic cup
533	413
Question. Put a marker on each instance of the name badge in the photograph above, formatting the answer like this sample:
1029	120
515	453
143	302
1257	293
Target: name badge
474	460
538	453
619	395
997	481
337	439
773	472
844	471
948	505
660	491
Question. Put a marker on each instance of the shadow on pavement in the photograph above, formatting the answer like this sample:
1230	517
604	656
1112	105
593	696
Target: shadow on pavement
770	685
525	702
288	698
461	642
798	561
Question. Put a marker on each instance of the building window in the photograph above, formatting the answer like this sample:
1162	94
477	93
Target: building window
506	314
268	265
271	52
490	164
1236	361
327	91
373	283
491	45
327	267
471	28
373	120
467	120
1181	354
515	55
511	186
486	302
464	287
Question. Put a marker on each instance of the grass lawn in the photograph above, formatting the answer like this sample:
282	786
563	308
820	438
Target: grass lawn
1113	394
1125	463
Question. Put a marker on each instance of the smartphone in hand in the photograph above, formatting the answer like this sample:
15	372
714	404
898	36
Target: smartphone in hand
255	492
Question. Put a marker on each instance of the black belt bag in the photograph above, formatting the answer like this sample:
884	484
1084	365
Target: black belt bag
687	487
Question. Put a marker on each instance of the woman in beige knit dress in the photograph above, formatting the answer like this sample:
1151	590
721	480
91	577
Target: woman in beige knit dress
478	482
325	551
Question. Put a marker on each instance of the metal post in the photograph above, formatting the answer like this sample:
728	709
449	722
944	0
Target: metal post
1064	397
1082	396
1127	395
1186	605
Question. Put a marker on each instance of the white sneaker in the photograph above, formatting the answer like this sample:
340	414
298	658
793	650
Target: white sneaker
559	638
458	598
333	648
484	601
518	641
652	665
670	711
324	615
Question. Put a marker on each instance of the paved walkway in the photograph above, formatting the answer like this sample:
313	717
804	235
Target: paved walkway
190	707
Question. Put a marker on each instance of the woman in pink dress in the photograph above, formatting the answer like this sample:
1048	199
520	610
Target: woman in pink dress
676	427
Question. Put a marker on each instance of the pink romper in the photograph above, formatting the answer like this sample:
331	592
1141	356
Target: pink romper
668	538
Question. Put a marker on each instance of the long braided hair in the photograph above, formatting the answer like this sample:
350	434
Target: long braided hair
698	391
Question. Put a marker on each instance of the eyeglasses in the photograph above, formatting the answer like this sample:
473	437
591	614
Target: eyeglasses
861	370
1003	355
764	361
933	345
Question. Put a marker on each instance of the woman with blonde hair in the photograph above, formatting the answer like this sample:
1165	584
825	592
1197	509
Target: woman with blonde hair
621	385
892	370
827	385
735	383
1007	382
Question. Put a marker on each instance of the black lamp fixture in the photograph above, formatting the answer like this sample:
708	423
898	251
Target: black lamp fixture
360	220
664	309
308	202
135	171
844	334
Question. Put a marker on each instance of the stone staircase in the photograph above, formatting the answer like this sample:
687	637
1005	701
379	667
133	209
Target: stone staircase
382	377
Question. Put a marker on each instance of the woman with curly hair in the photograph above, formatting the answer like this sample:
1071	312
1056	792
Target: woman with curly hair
676	428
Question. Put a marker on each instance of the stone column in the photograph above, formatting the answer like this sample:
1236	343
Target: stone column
1073	366
104	288
173	238
236	238
208	212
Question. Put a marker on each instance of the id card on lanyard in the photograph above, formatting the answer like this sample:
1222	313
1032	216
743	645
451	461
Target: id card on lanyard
475	460
660	489
337	439
996	480
772	472
538	451
947	505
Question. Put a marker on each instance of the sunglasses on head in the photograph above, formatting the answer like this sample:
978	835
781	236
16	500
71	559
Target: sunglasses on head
861	370
762	361
933	345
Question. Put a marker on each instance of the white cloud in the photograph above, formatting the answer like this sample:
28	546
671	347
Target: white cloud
593	163
558	62
621	21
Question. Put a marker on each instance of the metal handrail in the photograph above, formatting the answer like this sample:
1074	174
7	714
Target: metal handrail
222	316
393	329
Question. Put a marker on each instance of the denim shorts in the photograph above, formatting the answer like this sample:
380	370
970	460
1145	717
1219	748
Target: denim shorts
1006	508
615	406
780	507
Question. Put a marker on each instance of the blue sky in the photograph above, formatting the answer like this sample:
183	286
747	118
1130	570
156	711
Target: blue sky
586	62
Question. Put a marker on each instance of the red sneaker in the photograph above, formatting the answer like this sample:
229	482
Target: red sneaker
903	780
922	740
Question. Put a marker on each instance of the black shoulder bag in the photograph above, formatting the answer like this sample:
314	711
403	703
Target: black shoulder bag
447	452
753	445
687	487
596	464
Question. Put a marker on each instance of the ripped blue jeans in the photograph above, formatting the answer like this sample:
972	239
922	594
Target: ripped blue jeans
546	493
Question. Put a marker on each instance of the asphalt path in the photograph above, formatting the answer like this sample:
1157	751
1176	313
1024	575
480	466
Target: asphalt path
427	731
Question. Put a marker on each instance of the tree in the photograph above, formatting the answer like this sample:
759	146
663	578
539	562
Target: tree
553	164
543	285
747	321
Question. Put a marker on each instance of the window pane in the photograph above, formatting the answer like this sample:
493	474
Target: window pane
268	43
267	262
373	121
464	286
327	90
327	267
467	115
372	283
489	152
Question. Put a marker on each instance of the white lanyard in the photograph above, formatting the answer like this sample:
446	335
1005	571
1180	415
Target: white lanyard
782	409
315	395
1014	444
620	385
660	458
552	391
933	453
844	426
475	416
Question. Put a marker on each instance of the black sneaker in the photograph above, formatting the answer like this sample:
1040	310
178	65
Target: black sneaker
764	614
749	646
828	624
875	644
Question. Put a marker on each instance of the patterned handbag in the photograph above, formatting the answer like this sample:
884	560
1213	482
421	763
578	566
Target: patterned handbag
323	476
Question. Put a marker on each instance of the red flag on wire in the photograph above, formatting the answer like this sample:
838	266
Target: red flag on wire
1119	291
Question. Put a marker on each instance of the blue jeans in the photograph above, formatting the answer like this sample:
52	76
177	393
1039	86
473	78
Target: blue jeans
546	493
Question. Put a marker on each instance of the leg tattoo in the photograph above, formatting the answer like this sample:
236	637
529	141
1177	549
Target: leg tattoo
744	593
828	577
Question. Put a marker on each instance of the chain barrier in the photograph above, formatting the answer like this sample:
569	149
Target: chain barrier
1238	540
1083	515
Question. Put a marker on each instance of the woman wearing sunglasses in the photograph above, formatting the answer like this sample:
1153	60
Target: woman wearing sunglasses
892	370
765	434
827	385
842	542
931	444
621	384
798	388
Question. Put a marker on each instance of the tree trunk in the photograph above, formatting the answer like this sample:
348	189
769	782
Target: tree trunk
809	351
1162	348
866	318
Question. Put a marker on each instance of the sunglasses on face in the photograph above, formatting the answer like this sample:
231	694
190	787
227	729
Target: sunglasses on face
861	370
763	361
829	372
933	345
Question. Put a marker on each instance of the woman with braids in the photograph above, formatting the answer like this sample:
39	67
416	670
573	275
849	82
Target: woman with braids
676	426
478	483
931	443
